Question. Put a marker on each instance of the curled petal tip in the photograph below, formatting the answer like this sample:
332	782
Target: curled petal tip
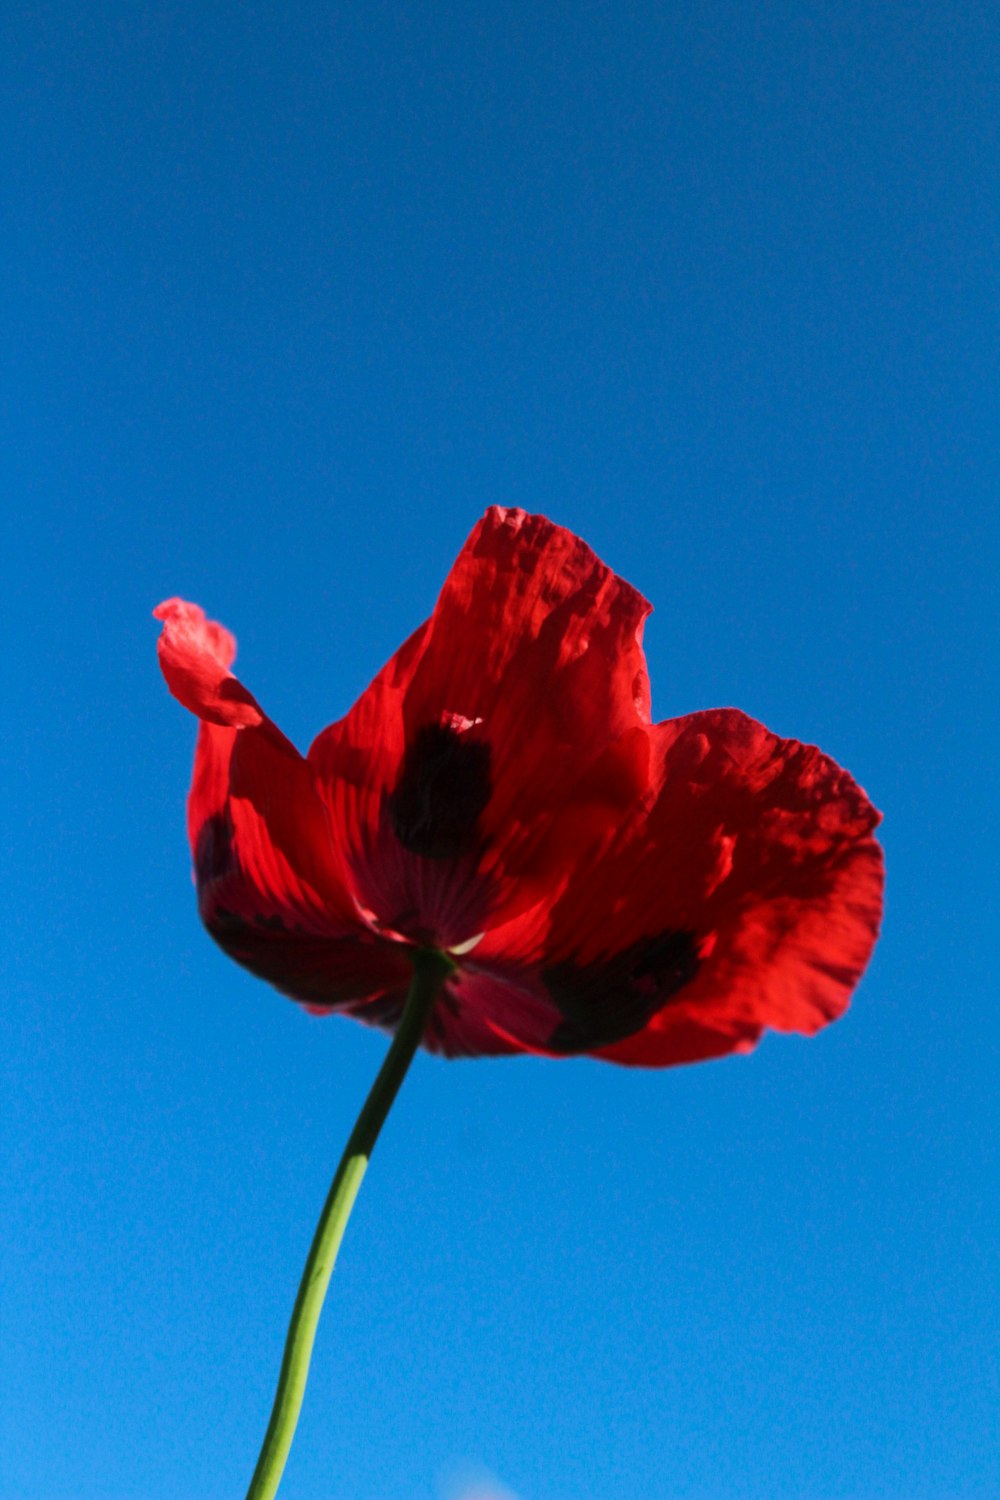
195	656
193	630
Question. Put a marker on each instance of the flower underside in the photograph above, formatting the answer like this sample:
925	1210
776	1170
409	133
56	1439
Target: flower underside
646	893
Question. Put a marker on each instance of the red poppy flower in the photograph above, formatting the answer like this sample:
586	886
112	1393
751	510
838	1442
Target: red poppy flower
646	893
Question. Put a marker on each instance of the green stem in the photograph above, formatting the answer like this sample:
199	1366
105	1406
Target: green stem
431	968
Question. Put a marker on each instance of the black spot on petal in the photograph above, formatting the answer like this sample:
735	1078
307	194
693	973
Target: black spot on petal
270	922
214	855
605	1002
443	788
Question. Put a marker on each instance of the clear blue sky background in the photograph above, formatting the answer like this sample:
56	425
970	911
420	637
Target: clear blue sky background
290	293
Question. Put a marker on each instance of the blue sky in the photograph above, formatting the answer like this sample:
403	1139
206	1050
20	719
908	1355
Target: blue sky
292	294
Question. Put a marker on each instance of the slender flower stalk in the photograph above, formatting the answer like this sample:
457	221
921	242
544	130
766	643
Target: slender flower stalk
430	969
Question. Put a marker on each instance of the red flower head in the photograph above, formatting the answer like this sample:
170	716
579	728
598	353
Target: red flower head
647	893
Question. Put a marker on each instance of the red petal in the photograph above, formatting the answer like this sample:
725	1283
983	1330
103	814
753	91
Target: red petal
450	777
744	893
270	888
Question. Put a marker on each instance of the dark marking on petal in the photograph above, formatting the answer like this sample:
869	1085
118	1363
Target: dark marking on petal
441	793
605	1002
214	854
226	918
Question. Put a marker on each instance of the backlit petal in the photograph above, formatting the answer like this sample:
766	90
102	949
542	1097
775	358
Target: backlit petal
743	894
451	779
271	889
